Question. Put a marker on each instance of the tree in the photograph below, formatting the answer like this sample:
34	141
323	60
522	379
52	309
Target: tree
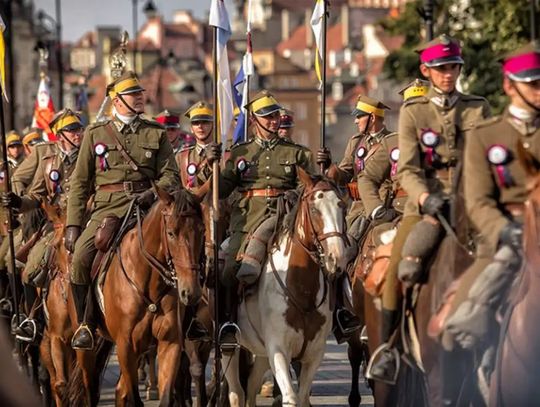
487	29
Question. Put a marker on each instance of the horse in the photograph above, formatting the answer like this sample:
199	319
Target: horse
154	270
513	382
288	316
55	349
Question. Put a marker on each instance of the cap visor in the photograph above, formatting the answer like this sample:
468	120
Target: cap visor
15	143
202	118
529	75
132	90
72	127
444	61
265	111
357	113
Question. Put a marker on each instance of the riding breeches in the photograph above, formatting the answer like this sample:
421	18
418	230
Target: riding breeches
232	262
35	271
391	297
5	255
84	254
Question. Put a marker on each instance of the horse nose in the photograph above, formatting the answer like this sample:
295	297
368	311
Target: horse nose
186	296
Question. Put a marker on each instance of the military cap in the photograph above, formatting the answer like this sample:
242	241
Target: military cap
200	112
287	119
236	112
13	139
263	104
416	88
65	120
124	85
168	120
523	65
366	105
440	51
32	136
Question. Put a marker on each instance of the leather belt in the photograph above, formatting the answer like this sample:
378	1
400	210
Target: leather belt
264	192
352	187
400	193
128	186
515	209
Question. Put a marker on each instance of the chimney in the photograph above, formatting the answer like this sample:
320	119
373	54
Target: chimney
345	25
285	24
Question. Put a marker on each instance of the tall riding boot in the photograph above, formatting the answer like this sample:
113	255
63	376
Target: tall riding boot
27	330
83	337
6	305
229	330
194	329
384	363
345	321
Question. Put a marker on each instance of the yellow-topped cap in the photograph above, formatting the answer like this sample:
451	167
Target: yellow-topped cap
13	138
200	111
124	85
263	104
65	120
416	88
31	136
366	105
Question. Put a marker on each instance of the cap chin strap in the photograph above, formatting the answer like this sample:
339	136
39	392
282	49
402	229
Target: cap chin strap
268	130
527	102
368	123
127	105
61	133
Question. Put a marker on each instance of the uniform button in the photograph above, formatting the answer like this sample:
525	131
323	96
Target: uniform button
268	177
267	167
128	171
447	121
267	157
526	144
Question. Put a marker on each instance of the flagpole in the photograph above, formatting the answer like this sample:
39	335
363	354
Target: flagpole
215	219
323	79
246	115
11	219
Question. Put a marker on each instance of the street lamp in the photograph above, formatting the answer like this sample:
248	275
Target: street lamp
58	28
135	25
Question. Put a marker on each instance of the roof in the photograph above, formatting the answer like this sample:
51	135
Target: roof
302	5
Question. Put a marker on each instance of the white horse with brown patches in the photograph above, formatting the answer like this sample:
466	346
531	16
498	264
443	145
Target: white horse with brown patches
288	317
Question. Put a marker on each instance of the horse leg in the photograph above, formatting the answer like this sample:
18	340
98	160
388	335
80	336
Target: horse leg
355	353
196	370
259	368
309	368
230	364
59	355
280	366
127	390
168	354
47	362
183	381
151	384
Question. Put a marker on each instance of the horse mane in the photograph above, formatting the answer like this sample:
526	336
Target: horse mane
184	200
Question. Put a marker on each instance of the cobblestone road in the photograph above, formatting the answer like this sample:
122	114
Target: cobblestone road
331	386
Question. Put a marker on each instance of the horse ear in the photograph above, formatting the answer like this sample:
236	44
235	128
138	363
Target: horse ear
163	195
304	177
529	163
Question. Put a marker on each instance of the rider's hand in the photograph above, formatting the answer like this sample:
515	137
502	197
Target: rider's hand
512	235
146	199
383	215
10	200
72	234
433	204
213	152
323	157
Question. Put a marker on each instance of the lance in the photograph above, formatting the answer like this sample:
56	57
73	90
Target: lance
215	218
248	71
11	218
323	78
428	18
534	27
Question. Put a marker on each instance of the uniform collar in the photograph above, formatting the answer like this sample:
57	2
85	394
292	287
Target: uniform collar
441	99
121	125
199	148
524	123
267	144
14	162
375	138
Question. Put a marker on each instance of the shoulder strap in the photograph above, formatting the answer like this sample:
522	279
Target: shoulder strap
47	167
182	161
111	132
372	151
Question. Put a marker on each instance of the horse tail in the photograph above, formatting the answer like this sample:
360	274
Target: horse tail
76	391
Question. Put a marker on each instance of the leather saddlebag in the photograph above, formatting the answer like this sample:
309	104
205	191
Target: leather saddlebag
375	277
106	232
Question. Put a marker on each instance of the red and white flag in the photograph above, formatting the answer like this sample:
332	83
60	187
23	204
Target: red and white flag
44	109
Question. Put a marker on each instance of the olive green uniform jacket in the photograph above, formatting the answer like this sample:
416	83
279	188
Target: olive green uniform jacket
431	169
193	166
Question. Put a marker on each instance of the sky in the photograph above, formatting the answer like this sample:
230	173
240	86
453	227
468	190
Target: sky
80	16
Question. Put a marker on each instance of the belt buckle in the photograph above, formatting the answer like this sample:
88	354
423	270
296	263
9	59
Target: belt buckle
128	186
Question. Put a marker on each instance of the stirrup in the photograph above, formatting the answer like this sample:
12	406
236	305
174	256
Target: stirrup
6	307
346	331
29	339
13	324
379	350
364	335
83	327
229	347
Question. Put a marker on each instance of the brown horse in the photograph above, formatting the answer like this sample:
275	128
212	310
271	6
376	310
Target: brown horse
155	268
515	379
55	349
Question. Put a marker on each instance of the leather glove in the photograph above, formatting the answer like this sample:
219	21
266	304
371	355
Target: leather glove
383	215
146	199
323	157
213	152
433	204
10	200
512	235
72	234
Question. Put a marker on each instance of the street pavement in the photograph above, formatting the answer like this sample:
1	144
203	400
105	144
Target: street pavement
330	388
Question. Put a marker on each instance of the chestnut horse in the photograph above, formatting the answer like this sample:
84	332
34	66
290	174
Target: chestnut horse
515	379
156	266
288	316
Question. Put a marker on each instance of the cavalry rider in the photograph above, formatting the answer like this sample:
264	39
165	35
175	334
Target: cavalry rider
495	192
431	135
54	163
368	116
117	161
32	136
378	185
262	170
15	150
171	122
194	172
286	124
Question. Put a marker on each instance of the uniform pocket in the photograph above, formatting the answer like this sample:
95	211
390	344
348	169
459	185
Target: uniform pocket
102	196
287	166
146	151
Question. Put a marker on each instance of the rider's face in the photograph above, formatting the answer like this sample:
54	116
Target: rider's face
443	77
530	91
202	130
361	123
268	124
74	137
134	100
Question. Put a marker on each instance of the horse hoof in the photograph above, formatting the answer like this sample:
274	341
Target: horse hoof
152	394
142	375
267	389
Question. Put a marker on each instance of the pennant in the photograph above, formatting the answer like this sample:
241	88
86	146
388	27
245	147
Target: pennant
44	108
317	21
81	104
219	18
3	59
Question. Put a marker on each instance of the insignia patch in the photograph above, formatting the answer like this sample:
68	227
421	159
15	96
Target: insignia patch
192	169
100	149
148	154
361	152
241	165
430	138
497	154
54	175
394	154
287	169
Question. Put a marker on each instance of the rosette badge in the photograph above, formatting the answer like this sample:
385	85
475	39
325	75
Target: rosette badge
360	157
54	176
192	170
430	139
394	158
102	152
499	156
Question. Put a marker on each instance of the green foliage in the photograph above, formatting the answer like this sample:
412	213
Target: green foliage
487	29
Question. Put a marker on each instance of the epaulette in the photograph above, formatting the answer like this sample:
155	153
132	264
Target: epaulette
243	143
391	134
413	101
95	125
488	122
151	121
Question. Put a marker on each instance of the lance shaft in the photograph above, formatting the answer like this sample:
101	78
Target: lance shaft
428	18
7	181
323	80
246	114
534	19
215	219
